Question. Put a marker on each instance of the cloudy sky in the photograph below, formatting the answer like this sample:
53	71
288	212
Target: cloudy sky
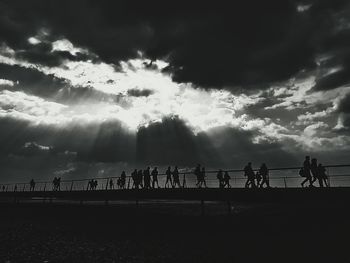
87	85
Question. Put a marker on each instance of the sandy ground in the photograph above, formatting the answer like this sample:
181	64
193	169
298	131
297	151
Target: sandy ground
171	232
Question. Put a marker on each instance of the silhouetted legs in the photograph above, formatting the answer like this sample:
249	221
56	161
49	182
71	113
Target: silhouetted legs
154	182
202	183
247	183
265	181
308	178
226	183
177	182
250	183
168	181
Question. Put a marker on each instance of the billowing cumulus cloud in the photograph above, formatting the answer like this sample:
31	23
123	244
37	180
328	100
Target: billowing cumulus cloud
89	87
212	44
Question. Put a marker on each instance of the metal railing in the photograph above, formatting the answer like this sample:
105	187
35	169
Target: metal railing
278	177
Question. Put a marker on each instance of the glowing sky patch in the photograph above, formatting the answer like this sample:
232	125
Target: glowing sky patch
200	109
147	95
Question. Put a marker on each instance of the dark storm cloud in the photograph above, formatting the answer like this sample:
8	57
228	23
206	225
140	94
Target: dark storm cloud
93	142
344	105
344	111
211	44
42	54
31	80
335	44
172	142
139	93
235	148
168	142
37	83
340	63
247	43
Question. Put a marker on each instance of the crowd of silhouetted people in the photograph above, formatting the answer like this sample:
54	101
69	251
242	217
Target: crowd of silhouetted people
311	171
260	178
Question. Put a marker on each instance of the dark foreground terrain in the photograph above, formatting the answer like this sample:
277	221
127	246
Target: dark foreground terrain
175	232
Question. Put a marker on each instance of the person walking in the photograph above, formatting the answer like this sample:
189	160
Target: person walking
264	172
32	185
307	172
147	178
154	174
227	178
176	178
249	173
168	178
220	178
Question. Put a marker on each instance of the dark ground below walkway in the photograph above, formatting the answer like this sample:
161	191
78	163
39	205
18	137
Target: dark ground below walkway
303	232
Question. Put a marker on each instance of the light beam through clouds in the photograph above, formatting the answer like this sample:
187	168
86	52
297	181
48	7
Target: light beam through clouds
200	109
137	93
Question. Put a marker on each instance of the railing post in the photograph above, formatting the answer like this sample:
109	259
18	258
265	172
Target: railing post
71	186
285	182
44	187
24	187
184	181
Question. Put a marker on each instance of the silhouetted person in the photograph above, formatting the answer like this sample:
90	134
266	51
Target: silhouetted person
111	184
123	180
134	179
119	183
322	176
264	172
220	177
258	178
313	168
139	178
176	177
168	178
91	184
54	184
249	173
147	178
15	188
226	180
307	172
95	184
32	185
154	174
197	173
202	180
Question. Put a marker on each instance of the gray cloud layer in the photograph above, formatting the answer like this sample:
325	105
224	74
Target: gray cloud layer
248	47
